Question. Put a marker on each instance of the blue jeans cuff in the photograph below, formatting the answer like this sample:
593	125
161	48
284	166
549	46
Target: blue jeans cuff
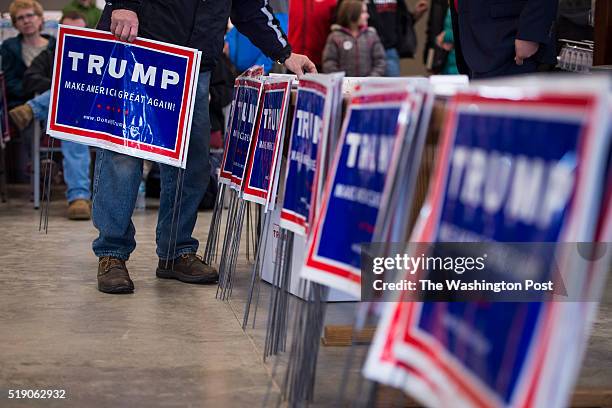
79	197
178	253
113	254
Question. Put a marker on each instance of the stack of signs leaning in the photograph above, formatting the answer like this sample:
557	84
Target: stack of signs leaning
133	98
379	128
254	138
263	168
318	103
517	163
242	123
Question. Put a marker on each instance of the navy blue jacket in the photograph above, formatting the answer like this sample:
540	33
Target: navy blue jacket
14	68
488	28
202	24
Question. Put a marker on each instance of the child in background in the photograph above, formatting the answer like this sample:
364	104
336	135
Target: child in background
352	46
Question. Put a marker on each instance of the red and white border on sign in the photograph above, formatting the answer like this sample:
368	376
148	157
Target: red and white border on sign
226	177
289	219
255	84
327	271
174	157
402	350
254	194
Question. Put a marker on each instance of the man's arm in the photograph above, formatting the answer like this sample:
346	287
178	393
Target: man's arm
255	19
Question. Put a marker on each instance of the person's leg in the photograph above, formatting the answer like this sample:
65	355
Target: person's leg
393	63
76	170
116	181
178	240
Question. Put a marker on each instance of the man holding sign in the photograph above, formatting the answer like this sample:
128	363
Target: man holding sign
196	24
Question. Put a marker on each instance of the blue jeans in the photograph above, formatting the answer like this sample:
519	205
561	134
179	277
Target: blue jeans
76	155
393	63
116	181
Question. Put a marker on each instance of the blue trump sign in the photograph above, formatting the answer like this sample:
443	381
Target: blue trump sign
134	98
369	144
304	152
509	171
247	92
267	143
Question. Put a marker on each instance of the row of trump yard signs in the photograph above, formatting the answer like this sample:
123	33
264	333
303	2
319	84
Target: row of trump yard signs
496	149
555	142
518	161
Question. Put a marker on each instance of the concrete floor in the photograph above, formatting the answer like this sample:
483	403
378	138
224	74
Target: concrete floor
169	344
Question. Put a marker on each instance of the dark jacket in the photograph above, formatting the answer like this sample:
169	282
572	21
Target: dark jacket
14	68
388	18
221	91
435	25
488	28
202	24
359	56
37	78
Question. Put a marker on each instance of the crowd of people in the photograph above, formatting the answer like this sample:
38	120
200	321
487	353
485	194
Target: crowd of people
359	37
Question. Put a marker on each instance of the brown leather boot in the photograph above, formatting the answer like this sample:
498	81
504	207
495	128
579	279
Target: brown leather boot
79	209
188	268
113	276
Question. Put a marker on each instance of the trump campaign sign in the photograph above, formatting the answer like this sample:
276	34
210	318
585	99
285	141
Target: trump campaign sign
134	98
515	165
262	169
242	123
365	162
306	152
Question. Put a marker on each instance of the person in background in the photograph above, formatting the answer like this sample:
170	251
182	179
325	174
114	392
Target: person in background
352	46
389	18
435	25
87	8
509	38
37	80
19	52
309	26
445	41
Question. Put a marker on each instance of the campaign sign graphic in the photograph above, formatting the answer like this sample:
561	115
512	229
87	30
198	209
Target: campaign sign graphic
134	98
227	162
365	160
509	171
304	151
267	143
244	123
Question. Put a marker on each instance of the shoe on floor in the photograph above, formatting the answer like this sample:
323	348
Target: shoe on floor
113	276
22	115
79	209
188	268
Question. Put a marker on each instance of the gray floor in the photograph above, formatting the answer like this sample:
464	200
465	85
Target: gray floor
168	344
